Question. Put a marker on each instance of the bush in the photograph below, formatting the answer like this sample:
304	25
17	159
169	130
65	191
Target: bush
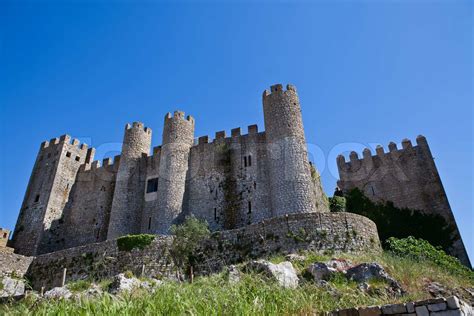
187	237
401	222
127	243
337	204
422	249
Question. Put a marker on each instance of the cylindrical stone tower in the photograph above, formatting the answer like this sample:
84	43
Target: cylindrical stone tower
291	188
178	137
125	216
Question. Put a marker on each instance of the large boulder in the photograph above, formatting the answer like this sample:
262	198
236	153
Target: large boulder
58	293
11	287
283	272
122	284
321	271
369	271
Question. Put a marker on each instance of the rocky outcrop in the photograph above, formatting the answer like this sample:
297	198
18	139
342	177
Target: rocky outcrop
11	287
283	272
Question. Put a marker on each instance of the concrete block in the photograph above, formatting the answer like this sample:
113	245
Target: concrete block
422	311
394	309
453	302
437	307
370	311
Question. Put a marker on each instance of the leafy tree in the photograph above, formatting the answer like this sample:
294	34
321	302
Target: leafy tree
337	204
187	238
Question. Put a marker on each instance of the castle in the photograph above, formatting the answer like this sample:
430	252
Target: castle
230	182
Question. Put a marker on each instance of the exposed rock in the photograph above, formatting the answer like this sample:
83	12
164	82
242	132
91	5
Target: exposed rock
339	264
121	284
151	285
283	272
368	271
364	287
234	274
58	293
11	287
321	271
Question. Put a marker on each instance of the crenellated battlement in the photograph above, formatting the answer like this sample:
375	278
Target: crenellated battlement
367	156
278	89
56	142
179	115
137	126
222	135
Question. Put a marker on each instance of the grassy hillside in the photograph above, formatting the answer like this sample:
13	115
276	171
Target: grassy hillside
214	295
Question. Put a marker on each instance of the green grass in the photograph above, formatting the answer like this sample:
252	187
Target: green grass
79	286
255	295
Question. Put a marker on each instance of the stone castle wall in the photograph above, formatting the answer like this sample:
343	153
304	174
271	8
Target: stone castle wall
343	232
408	177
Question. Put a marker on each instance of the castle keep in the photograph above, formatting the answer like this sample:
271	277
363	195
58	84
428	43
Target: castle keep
408	177
230	181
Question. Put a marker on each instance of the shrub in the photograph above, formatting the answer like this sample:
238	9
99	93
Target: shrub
337	204
127	243
401	222
187	237
422	249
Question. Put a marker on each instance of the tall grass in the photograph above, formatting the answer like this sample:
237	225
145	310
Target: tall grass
253	295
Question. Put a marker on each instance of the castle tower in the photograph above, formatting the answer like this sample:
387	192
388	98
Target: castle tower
125	216
38	227
178	137
408	178
291	186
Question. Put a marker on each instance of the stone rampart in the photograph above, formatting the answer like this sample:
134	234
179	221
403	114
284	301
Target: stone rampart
335	232
338	232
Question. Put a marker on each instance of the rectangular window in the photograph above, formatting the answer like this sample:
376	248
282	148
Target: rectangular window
250	160
215	213
245	161
68	154
37	198
78	158
149	223
152	185
250	208
4	235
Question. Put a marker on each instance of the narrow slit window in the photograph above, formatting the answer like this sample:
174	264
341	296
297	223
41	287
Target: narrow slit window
249	207
152	185
37	198
373	192
245	161
250	160
215	213
149	223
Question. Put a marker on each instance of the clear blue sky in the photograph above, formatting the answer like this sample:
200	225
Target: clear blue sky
367	73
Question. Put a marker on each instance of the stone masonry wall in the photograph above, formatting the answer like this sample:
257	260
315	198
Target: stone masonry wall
408	177
11	263
99	261
451	306
315	231
339	232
